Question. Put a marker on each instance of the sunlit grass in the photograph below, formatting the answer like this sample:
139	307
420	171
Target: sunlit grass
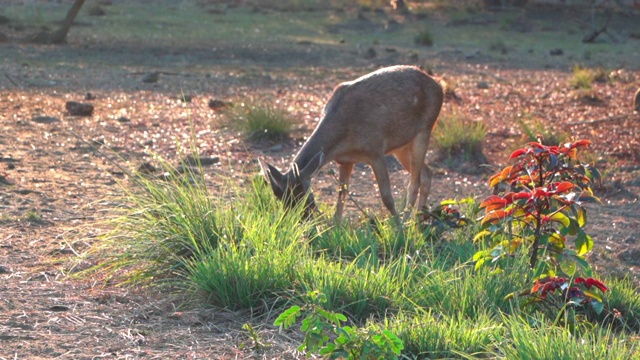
238	248
456	134
583	78
535	130
258	121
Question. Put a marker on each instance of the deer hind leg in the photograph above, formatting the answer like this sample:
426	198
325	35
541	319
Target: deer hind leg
384	185
412	158
344	174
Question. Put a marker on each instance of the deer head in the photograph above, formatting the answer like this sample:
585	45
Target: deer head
293	187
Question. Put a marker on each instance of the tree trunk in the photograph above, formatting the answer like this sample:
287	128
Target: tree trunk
60	36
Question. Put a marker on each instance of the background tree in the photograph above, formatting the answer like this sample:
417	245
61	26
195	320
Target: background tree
59	36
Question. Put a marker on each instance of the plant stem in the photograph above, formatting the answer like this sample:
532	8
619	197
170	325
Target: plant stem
538	216
534	249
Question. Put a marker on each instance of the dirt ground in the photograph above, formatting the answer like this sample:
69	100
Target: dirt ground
54	175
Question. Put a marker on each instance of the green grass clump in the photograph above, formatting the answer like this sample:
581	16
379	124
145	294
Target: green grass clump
455	134
583	78
499	46
437	336
236	247
260	122
535	129
534	338
424	38
32	216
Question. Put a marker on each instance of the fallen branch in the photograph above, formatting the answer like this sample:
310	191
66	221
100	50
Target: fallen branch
11	81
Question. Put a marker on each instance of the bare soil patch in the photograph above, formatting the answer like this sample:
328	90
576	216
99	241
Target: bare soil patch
52	184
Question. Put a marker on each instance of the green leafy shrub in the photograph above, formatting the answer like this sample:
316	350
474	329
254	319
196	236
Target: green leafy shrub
326	335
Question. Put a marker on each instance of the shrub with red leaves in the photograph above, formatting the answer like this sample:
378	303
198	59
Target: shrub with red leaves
537	205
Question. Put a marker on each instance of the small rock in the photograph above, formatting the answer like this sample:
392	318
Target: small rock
89	96
636	101
473	55
59	308
185	98
4	270
276	147
79	109
370	53
123	119
194	161
4	181
61	252
96	10
392	25
151	77
190	170
631	256
215	104
482	85
45	119
24	191
556	52
147	168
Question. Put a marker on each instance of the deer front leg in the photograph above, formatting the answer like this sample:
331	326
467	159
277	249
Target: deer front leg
421	185
384	185
344	174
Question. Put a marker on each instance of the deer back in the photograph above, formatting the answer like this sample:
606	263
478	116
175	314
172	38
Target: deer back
373	115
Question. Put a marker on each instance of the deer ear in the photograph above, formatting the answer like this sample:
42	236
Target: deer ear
274	177
312	167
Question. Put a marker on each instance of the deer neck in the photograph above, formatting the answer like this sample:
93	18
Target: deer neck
316	143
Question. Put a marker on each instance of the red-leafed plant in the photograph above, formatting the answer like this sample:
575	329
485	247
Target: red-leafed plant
537	206
577	291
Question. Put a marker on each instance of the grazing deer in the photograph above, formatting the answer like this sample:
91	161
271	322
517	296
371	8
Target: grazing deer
389	111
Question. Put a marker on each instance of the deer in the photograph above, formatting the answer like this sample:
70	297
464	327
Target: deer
391	111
